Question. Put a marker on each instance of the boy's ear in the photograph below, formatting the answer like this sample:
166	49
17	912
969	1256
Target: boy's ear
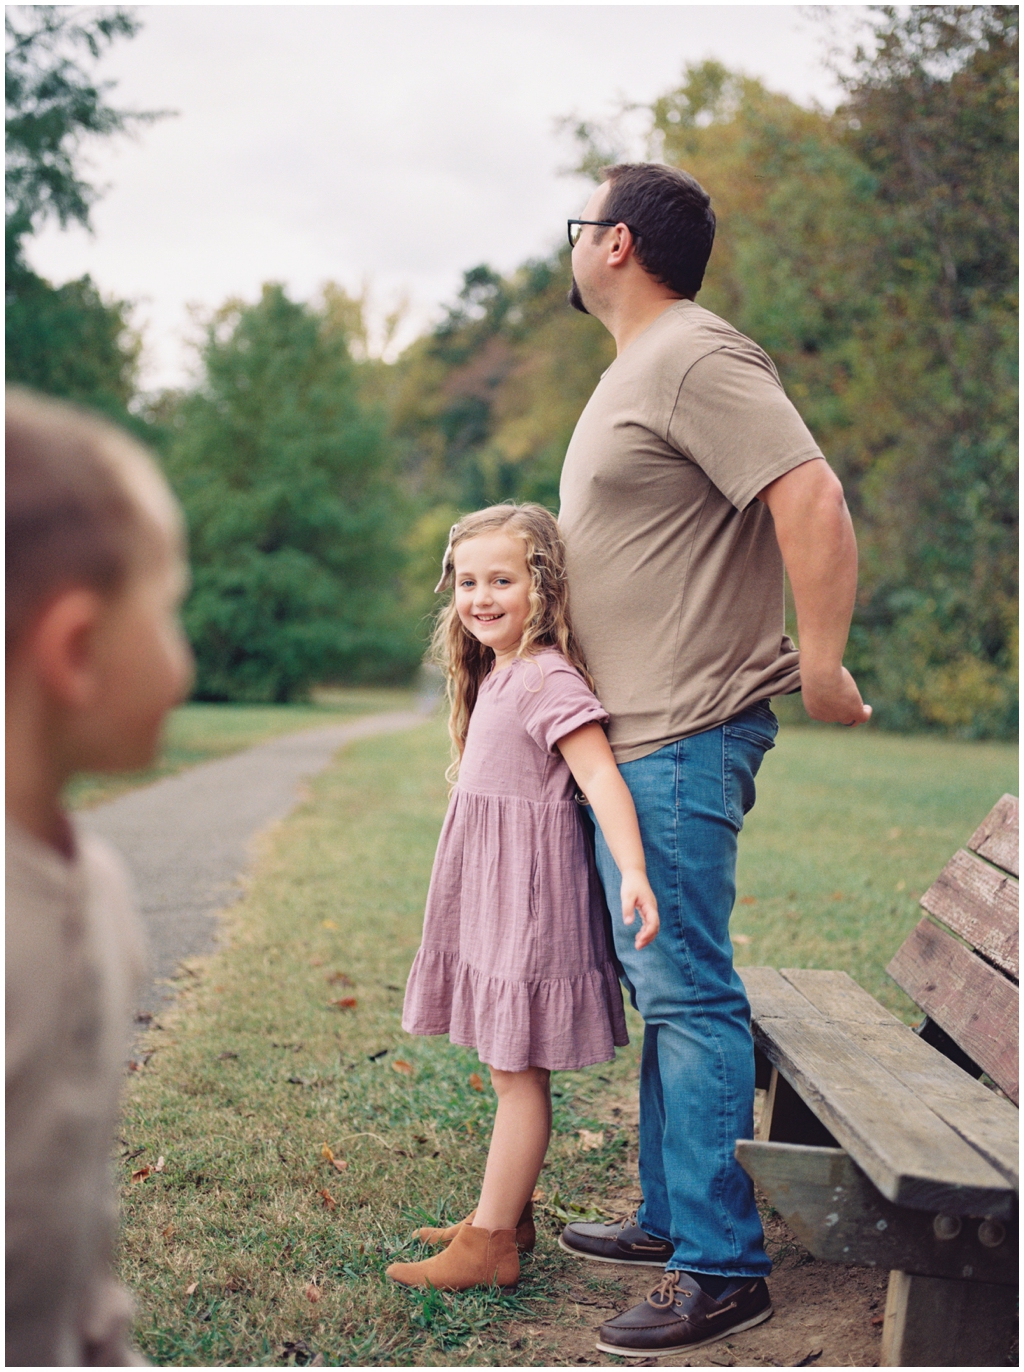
62	645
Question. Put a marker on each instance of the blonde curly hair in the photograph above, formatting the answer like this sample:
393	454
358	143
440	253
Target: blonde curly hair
463	657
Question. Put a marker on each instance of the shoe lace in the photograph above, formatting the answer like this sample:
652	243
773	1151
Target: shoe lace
666	1292
625	1223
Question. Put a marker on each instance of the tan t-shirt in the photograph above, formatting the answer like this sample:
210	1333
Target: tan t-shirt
675	574
74	963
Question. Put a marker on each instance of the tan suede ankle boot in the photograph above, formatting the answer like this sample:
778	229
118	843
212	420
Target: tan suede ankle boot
475	1257
526	1233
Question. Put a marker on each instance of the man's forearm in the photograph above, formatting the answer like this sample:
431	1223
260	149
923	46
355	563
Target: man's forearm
819	548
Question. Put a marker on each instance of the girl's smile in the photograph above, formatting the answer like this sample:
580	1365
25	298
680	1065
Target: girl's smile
492	592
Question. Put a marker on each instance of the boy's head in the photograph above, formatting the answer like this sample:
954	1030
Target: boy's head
95	575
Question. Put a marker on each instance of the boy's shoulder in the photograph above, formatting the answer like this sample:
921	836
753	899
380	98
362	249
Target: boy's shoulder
50	897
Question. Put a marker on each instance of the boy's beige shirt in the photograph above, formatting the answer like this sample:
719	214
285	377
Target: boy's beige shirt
675	575
74	966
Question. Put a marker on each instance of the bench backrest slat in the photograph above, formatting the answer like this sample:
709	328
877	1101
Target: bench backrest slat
997	837
980	903
971	1000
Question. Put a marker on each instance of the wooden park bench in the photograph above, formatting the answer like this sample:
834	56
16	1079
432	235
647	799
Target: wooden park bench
879	1145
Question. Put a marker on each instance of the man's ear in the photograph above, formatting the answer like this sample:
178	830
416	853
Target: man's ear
620	245
62	642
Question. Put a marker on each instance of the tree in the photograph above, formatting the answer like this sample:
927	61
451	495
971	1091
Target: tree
933	113
66	340
295	525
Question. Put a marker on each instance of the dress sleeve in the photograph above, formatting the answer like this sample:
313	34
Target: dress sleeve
554	700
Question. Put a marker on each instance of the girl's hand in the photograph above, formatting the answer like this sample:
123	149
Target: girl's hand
637	896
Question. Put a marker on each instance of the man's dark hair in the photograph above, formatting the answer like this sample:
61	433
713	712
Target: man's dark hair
670	216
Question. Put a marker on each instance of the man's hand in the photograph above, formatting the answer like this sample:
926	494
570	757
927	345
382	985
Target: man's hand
638	898
819	548
833	698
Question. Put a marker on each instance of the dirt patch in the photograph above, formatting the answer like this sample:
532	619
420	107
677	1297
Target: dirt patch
825	1316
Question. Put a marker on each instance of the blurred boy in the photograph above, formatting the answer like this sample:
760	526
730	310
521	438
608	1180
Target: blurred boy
95	659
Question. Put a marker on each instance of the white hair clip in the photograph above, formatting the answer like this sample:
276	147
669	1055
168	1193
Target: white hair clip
447	566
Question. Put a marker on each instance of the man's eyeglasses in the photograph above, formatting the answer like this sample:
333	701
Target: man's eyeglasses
576	227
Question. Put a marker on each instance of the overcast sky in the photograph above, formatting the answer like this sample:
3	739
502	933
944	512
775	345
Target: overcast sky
390	143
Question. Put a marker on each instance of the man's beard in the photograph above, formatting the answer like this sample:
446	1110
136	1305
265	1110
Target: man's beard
575	299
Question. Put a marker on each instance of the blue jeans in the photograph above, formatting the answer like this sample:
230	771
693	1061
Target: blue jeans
697	1069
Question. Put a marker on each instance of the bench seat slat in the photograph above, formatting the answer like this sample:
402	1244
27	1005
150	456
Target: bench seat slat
838	997
965	996
911	1155
981	904
997	836
905	1145
977	1114
985	1121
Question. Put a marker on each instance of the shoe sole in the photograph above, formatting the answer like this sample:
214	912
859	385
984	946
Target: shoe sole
616	1262
759	1318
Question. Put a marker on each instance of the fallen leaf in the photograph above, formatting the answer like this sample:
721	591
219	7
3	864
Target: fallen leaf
836	895
329	1202
223	1057
317	962
591	1139
476	1081
328	924
346	1003
741	939
877	1319
312	1292
318	1361
191	1290
142	1173
218	990
748	900
339	1164
400	1065
340	979
168	1231
539	1196
327	1153
159	1164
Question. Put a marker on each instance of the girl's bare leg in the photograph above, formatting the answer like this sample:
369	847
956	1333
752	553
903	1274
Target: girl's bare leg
522	1130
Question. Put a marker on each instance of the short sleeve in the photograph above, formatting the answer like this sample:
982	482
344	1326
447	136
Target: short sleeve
734	420
554	700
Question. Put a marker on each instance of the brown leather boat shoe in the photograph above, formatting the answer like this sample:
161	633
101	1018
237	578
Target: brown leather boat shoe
678	1316
615	1241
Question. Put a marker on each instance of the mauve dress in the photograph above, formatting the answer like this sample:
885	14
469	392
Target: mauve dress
514	960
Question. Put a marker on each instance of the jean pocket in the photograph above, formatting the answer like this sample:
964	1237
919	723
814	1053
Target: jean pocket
744	744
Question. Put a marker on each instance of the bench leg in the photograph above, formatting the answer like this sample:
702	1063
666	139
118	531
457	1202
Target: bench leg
932	1322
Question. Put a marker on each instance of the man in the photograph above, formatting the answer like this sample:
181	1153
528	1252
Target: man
689	481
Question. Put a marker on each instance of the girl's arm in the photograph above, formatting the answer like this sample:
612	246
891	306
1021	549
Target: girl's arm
589	758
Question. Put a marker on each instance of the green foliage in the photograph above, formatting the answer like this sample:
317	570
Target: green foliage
52	106
295	526
63	340
873	254
67	341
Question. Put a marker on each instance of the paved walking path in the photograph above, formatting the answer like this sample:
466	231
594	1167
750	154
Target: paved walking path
187	839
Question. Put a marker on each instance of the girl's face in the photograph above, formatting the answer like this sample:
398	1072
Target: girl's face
492	591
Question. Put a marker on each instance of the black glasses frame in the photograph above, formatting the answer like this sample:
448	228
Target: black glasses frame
600	223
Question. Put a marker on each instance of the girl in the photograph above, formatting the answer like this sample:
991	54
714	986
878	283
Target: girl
514	960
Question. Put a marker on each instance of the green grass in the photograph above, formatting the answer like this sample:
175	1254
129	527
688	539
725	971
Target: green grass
849	830
256	1071
197	732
